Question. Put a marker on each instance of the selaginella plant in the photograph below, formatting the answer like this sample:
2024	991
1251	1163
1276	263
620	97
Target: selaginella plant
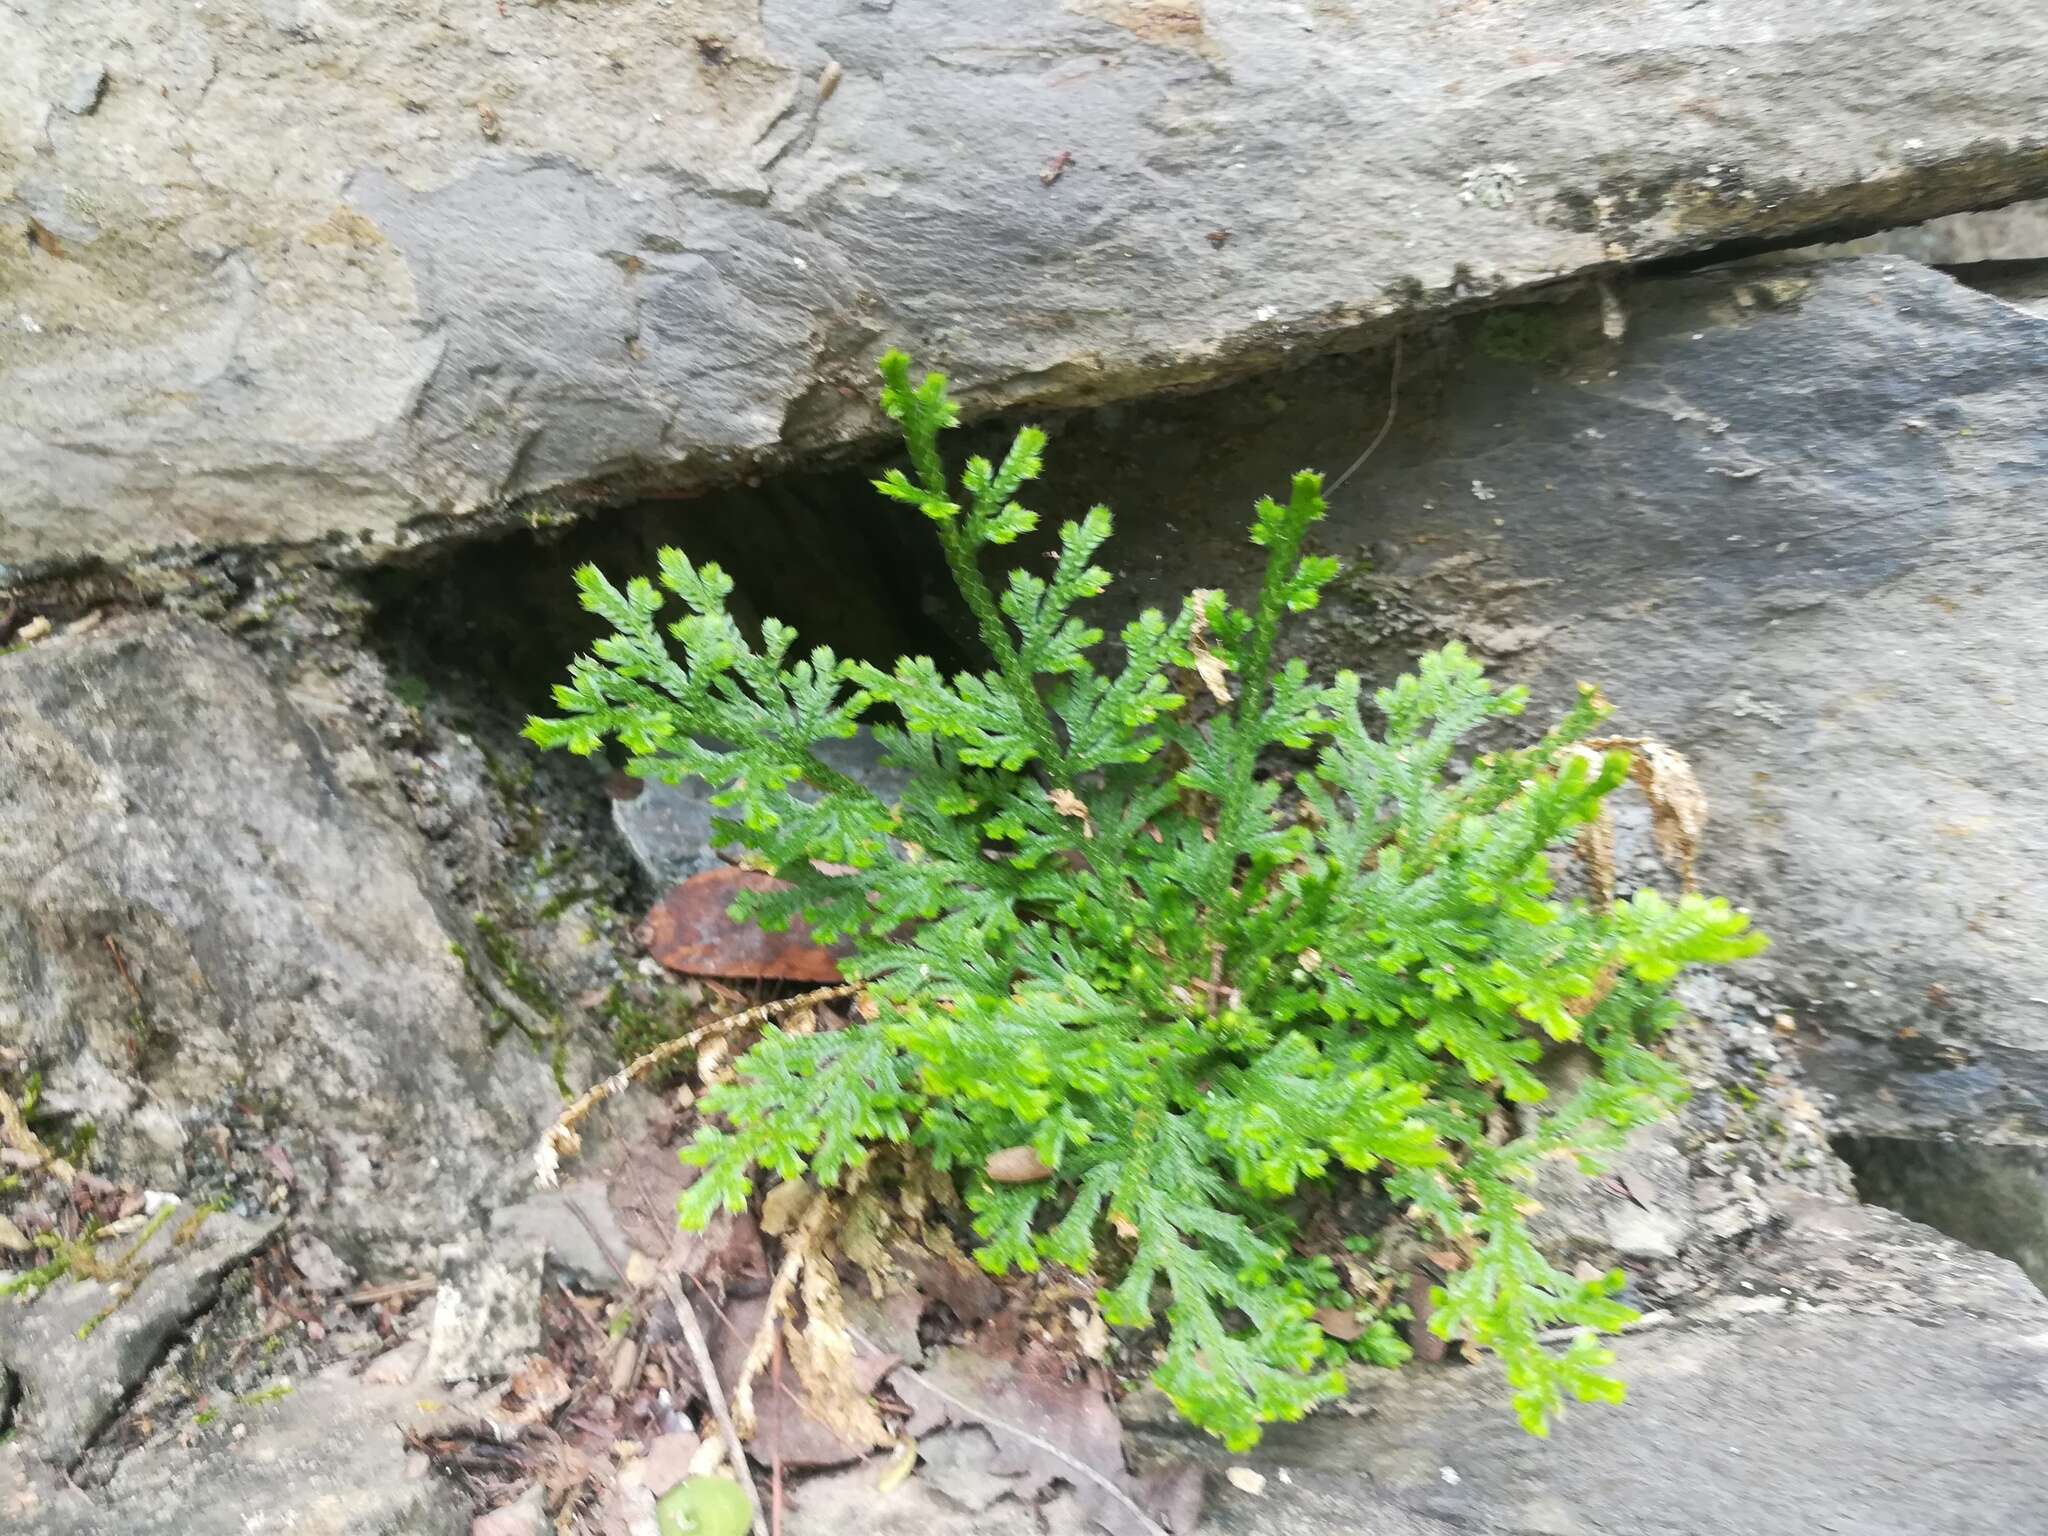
1201	993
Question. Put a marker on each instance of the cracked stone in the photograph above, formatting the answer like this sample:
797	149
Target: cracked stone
80	1348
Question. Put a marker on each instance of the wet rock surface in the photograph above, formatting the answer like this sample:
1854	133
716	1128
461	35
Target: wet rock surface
314	269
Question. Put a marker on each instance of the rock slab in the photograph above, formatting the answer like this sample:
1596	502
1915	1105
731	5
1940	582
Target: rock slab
224	957
1879	1382
1789	521
326	1459
317	268
81	1347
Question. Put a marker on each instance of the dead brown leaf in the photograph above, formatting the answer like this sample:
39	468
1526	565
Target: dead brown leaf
1067	803
1678	805
1016	1165
948	1276
535	1391
1340	1323
1211	668
689	931
1043	1430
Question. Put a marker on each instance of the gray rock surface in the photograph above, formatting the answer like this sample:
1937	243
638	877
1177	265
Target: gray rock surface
82	1346
320	267
283	979
327	1459
486	1312
1903	1399
1865	1377
1790	523
668	826
575	1226
1643	1211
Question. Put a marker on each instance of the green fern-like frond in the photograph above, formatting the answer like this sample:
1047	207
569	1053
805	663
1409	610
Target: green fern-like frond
1097	923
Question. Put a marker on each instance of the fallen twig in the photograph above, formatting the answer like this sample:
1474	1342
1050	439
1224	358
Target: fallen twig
990	1421
121	965
560	1139
775	1468
707	1374
397	1290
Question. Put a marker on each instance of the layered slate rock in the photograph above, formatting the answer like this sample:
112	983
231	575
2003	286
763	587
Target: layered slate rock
326	1459
316	268
84	1344
224	957
1790	522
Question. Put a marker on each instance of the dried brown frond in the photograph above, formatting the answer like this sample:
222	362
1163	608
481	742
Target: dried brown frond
1678	805
561	1140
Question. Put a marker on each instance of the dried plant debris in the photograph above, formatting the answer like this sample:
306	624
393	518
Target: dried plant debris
1595	843
825	1358
1678	805
1041	1429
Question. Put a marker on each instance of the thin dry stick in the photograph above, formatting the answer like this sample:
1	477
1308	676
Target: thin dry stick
560	1139
14	1130
1393	399
775	1468
396	1290
990	1421
802	1244
707	1373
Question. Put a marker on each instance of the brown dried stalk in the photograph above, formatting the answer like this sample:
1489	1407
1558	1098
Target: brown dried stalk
561	1140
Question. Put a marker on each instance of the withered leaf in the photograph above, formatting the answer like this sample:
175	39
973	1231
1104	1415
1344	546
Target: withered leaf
1678	805
690	932
1016	1165
823	1354
1080	1441
1067	803
1341	1323
1211	668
